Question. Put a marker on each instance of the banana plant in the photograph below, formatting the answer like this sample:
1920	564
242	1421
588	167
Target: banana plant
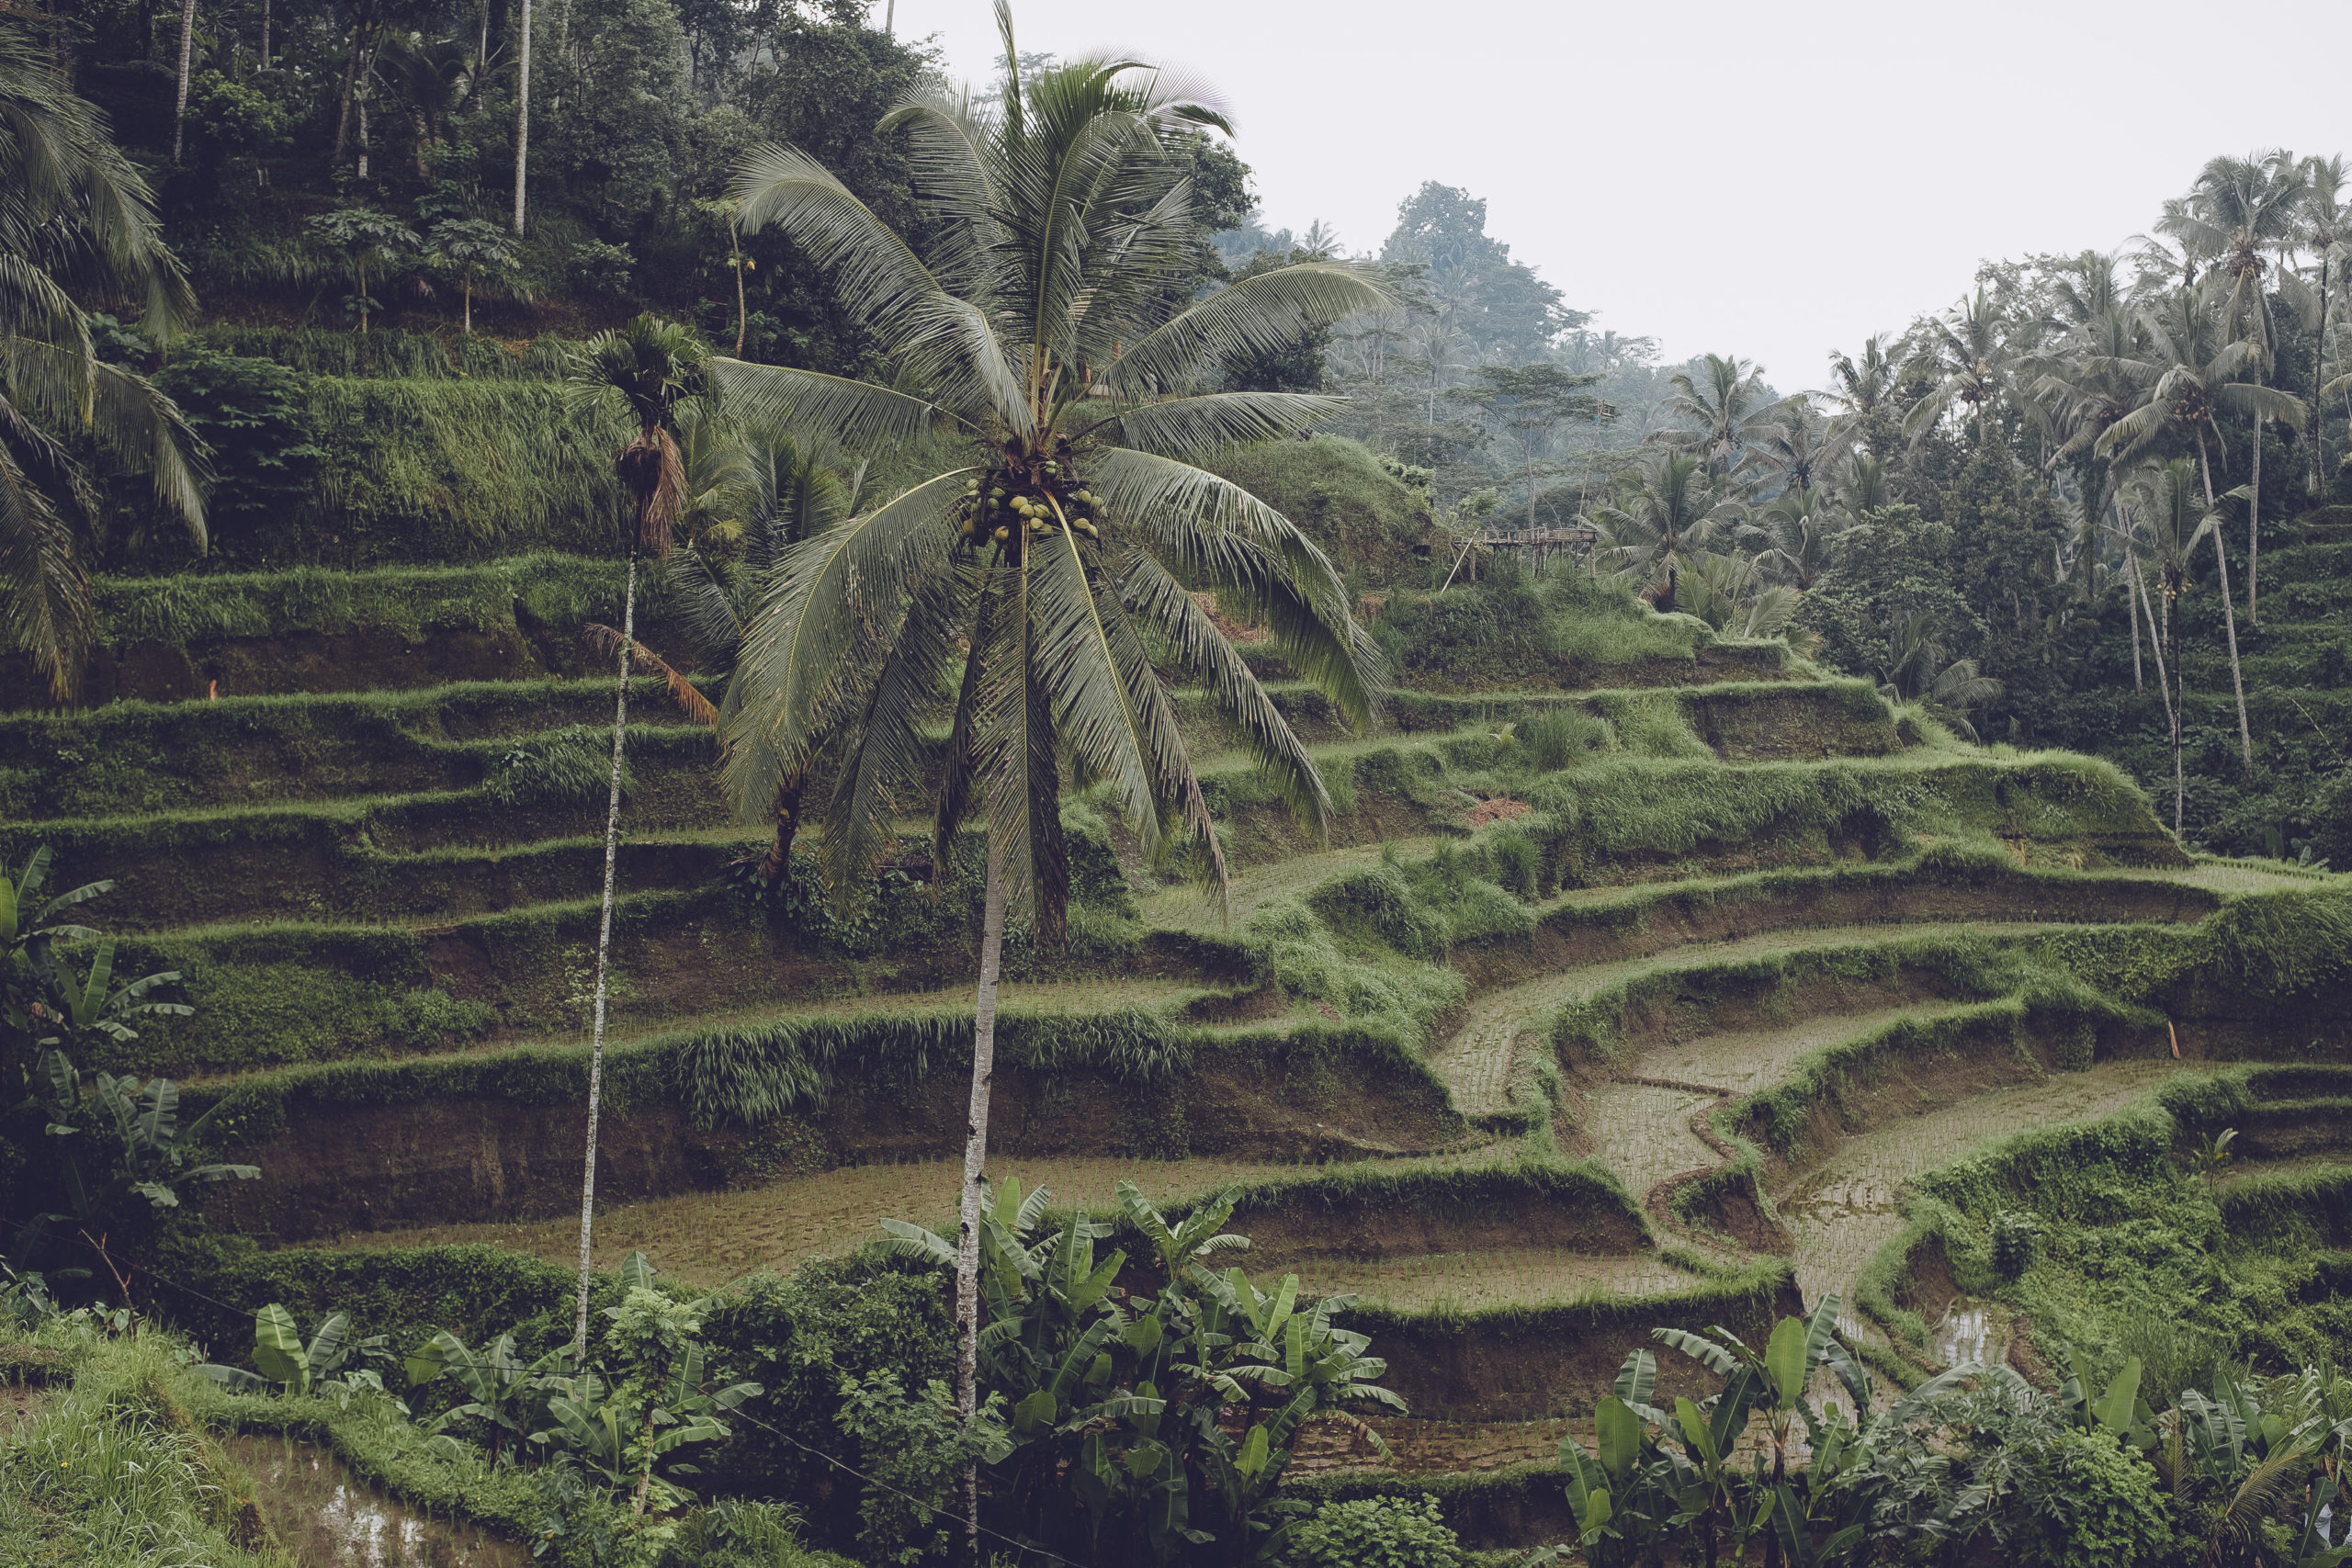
1188	1240
590	1422
1708	1431
1150	1423
285	1364
1630	1494
1777	1377
503	1392
2118	1410
29	932
147	1149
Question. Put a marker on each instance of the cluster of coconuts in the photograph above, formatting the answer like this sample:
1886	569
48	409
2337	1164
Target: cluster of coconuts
1007	506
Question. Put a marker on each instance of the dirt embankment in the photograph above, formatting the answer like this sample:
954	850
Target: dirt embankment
1524	1369
339	1168
1577	935
1284	1231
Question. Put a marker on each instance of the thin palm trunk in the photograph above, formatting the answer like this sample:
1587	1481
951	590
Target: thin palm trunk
603	958
2172	714
2228	616
179	106
2319	379
265	34
975	1154
351	80
523	116
2253	535
2132	607
740	318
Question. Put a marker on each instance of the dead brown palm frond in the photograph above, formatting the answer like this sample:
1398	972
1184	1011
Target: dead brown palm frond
654	472
606	642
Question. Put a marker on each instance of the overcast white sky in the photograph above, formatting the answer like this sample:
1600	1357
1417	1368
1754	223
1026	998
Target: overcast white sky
1769	180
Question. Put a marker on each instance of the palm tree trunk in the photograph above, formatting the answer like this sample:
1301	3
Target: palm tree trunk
2172	714
603	959
2319	379
523	116
2132	613
2228	616
265	34
351	80
975	1154
2253	535
740	317
179	106
2237	679
468	285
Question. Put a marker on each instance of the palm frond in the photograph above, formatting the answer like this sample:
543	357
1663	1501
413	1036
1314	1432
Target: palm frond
1258	315
1218	531
828	594
833	408
1199	427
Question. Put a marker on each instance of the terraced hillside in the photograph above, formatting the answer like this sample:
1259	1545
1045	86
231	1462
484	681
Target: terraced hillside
1676	992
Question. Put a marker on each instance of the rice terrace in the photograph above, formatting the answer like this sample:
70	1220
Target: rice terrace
756	810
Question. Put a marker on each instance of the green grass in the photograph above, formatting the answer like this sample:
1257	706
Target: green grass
1335	491
132	758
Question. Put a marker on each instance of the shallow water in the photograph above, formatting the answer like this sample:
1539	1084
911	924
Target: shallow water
326	1517
1966	1335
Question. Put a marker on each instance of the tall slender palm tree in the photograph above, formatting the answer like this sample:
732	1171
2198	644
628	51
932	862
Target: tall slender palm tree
522	107
1863	396
2327	235
1031	331
1667	512
74	216
179	96
1969	351
2238	209
656	369
2187	375
1797	448
1722	411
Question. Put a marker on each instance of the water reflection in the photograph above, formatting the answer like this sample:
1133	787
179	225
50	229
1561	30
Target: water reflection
1964	1336
326	1517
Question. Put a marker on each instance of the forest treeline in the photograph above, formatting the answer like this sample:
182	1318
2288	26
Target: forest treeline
1985	509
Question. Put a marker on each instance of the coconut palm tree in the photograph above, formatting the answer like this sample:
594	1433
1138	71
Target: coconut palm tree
655	369
75	217
1722	411
1734	593
1796	448
1918	672
2238	209
1795	532
1033	342
1969	352
1666	512
2187	375
1863	396
2327	234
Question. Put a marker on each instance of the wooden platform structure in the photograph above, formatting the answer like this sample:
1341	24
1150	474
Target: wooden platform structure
1540	544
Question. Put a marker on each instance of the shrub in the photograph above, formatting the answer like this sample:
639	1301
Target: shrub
571	765
2093	1505
1376	1533
2014	1235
